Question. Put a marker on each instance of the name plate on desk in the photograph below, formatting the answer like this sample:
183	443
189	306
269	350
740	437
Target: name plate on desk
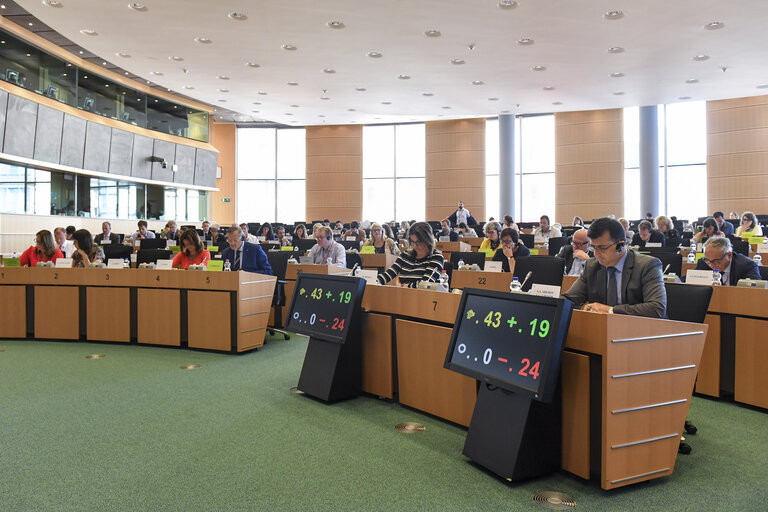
115	263
164	265
545	290
444	238
699	277
369	276
215	265
170	243
653	244
368	249
493	266
286	248
137	243
64	263
213	248
12	262
106	241
133	258
756	240
762	248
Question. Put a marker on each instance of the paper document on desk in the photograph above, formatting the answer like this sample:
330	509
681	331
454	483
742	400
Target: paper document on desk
369	276
699	277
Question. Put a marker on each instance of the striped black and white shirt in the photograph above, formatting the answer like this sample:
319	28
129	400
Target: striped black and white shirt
412	270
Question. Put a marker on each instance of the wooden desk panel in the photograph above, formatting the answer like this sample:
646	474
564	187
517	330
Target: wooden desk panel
708	380
373	261
293	269
57	312
422	381
453	247
13	312
576	416
208	320
159	314
378	363
108	314
19	275
751	381
425	304
498	281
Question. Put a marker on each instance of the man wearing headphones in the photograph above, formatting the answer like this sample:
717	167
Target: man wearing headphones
327	250
617	280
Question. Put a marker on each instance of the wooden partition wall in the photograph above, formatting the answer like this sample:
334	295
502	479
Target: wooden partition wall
223	137
334	172
589	164
737	154
455	167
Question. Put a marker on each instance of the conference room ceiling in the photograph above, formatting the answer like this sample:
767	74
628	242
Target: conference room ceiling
380	61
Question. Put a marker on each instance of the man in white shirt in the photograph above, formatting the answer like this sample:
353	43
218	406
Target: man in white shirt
544	232
460	215
143	233
66	246
327	250
246	235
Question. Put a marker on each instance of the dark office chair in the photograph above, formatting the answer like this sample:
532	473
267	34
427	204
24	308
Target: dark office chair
116	251
350	244
741	246
763	273
556	243
304	244
153	243
687	303
152	255
527	240
278	260
675	262
353	258
469	258
546	270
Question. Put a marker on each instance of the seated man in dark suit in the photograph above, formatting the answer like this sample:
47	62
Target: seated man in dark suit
646	233
245	255
618	280
447	231
106	234
719	255
722	224
576	253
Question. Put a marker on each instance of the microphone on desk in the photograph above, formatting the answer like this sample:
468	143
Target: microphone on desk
528	276
666	269
354	267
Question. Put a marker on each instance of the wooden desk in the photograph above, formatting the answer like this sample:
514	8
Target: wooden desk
376	261
225	311
498	281
474	242
453	247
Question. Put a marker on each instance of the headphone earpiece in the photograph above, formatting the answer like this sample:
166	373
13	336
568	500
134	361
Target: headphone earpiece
620	246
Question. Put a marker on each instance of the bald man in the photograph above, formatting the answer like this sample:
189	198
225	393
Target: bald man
576	253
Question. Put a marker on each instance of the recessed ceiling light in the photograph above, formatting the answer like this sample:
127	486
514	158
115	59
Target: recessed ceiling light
156	73
477	82
203	40
30	24
237	16
223	77
457	62
619	93
257	103
176	58
289	47
684	98
548	88
80	52
613	15
123	55
262	93
106	85
294	106
714	25
445	107
89	32
432	33
615	49
252	65
404	77
360	89
255	111
223	90
53	3
386	102
103	63
557	102
288	114
374	55
137	7
125	73
539	68
29	54
329	71
700	57
505	111
320	115
292	83
692	81
324	98
189	87
427	94
762	86
351	110
525	41
507	4
493	99
336	24
223	101
617	74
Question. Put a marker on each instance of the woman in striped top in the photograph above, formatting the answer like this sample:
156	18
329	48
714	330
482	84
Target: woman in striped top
422	263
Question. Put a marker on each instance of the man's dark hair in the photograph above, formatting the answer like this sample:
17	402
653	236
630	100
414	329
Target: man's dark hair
710	222
718	214
603	224
508	219
512	233
645	225
354	224
648	214
71	230
545	217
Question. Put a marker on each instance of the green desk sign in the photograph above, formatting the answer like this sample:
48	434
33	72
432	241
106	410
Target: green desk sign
286	248
699	255
215	265
755	239
175	249
12	262
368	249
213	248
488	252
534	252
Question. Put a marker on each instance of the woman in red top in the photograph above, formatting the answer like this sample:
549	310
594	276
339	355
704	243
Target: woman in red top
192	251
44	250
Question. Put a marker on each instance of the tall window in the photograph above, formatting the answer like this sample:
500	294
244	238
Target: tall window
534	168
682	161
393	172
271	164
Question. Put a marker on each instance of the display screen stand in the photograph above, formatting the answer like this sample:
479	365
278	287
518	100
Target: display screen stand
513	435
332	371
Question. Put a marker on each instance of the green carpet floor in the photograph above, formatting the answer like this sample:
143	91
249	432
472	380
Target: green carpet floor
132	431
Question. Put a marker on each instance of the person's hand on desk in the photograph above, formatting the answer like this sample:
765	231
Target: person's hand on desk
578	253
596	307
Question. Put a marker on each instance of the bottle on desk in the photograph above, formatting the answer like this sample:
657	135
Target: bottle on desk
444	279
460	264
227	266
758	259
515	286
716	278
126	263
692	257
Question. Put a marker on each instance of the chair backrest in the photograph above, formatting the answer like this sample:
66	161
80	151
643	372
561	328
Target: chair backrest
350	244
278	260
117	251
556	243
675	262
304	244
527	239
469	258
741	246
353	258
546	270
687	302
763	273
152	255
153	243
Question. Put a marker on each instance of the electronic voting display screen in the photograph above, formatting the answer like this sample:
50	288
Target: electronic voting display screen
322	306
510	340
